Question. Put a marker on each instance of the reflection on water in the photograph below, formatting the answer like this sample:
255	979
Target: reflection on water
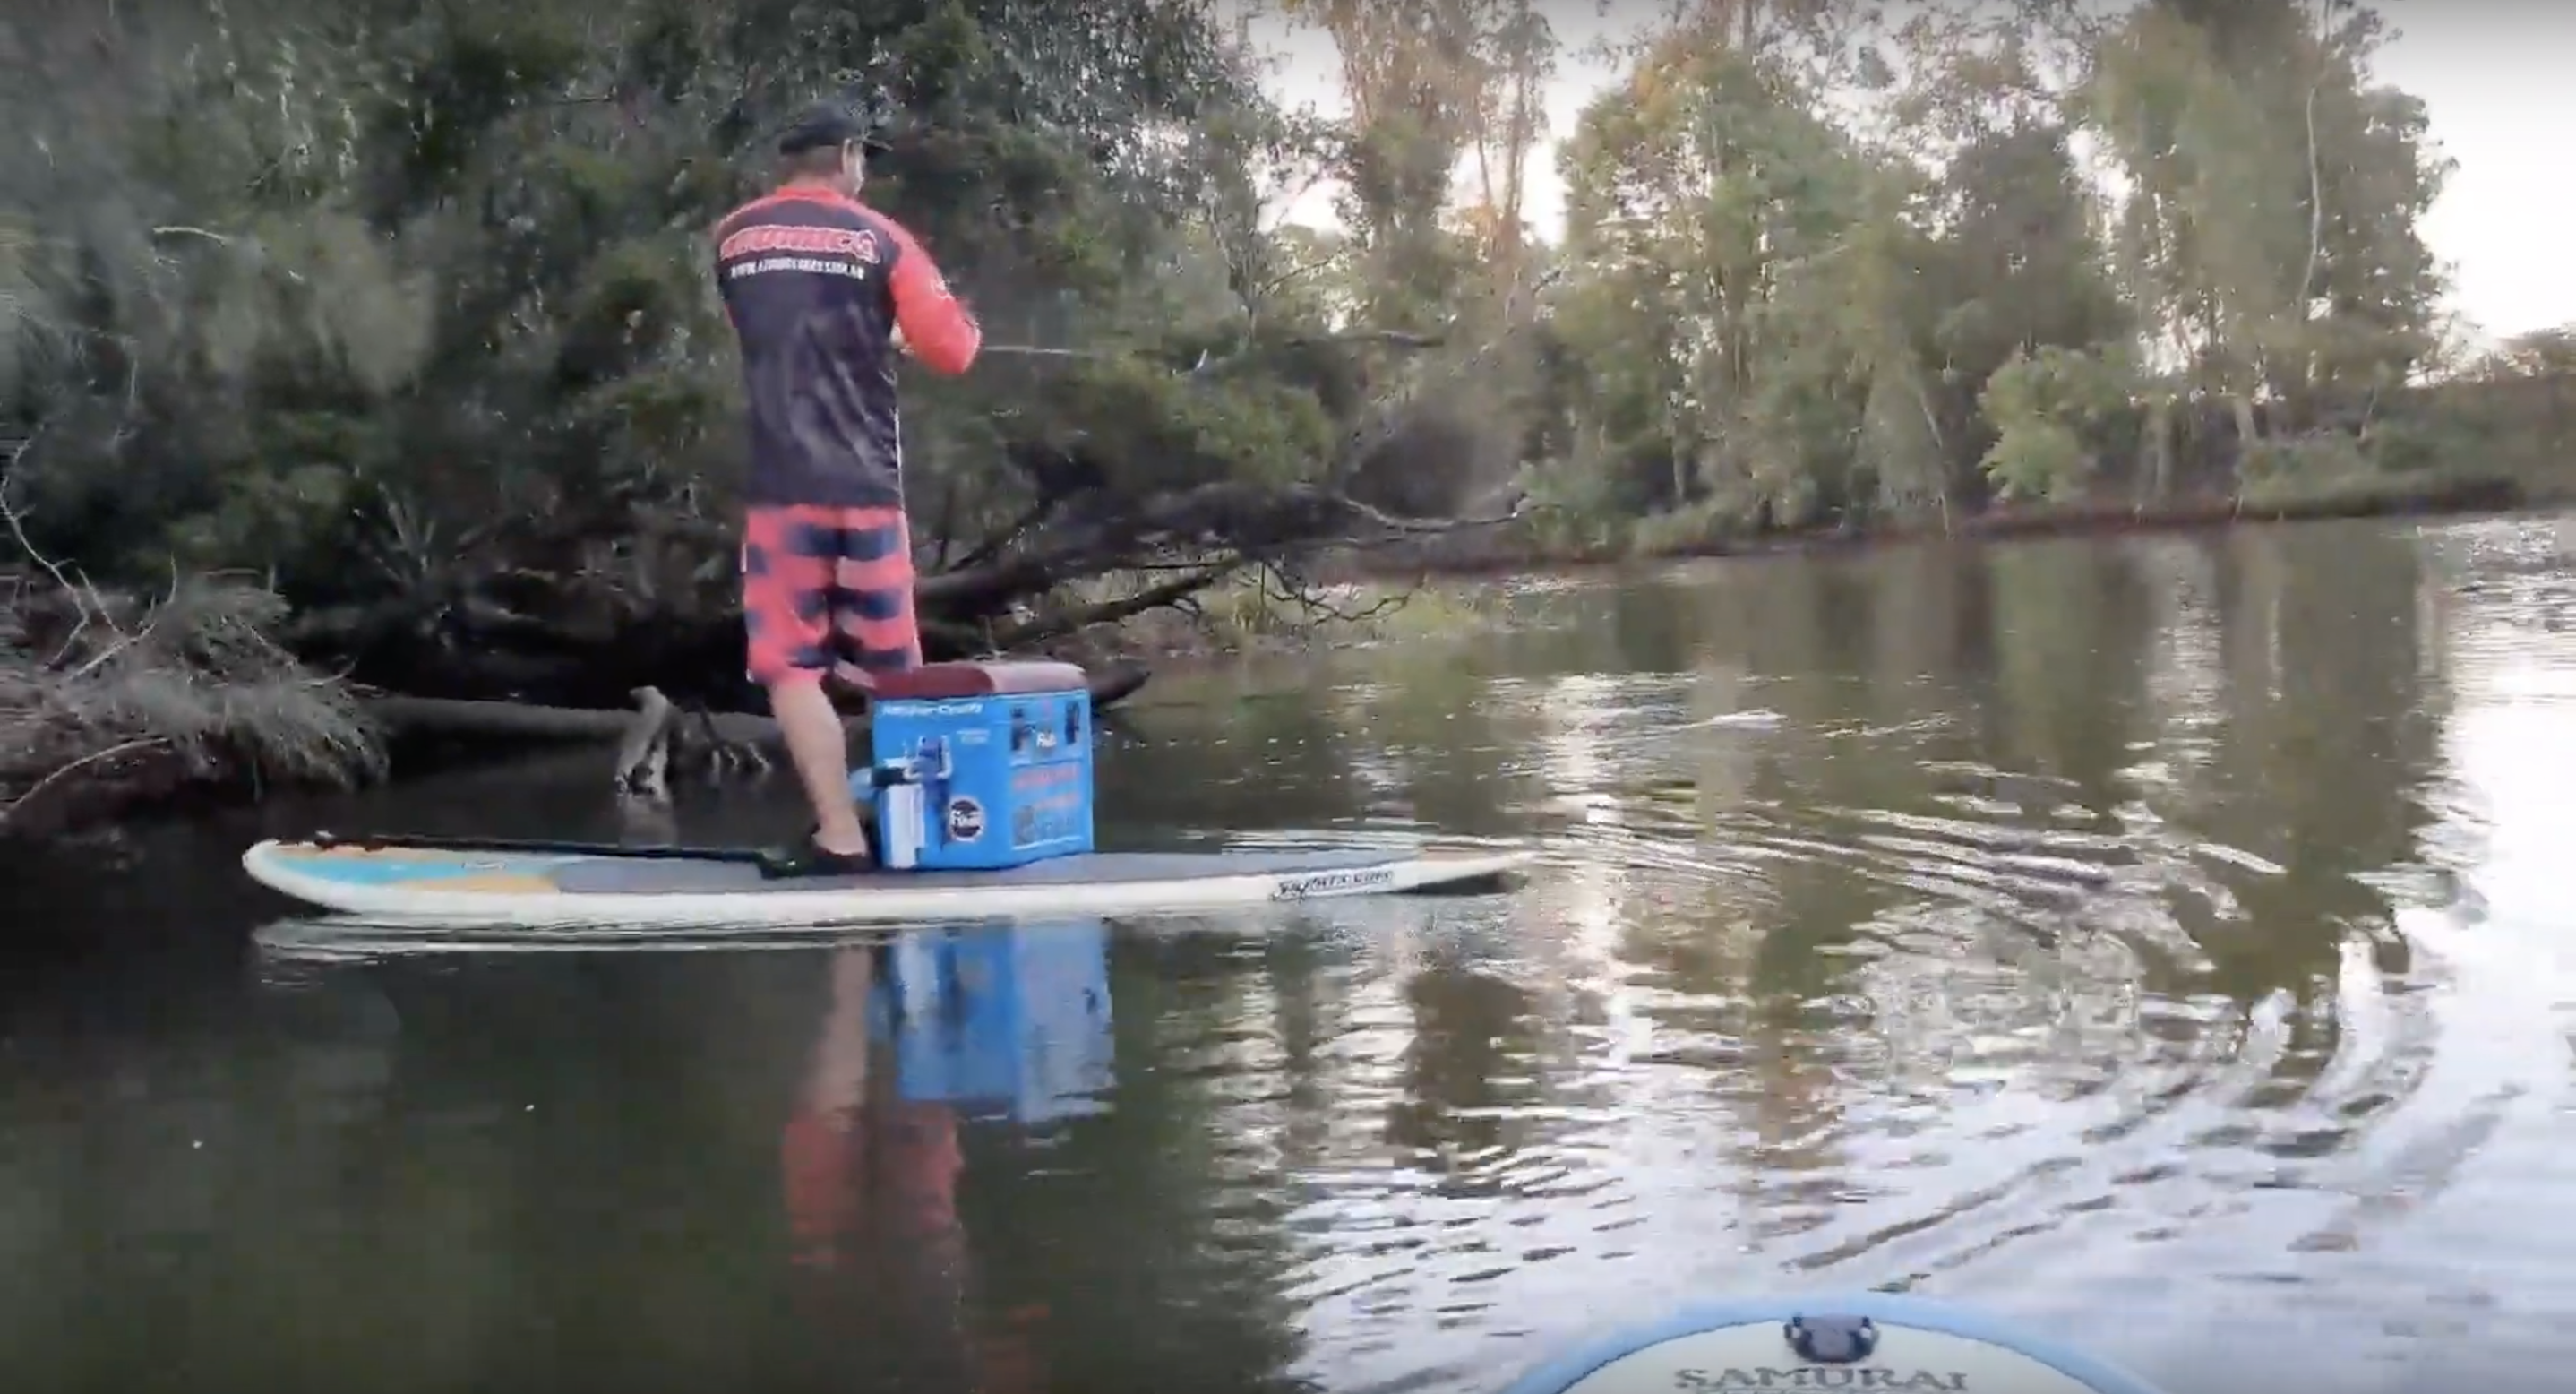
926	1031
2159	940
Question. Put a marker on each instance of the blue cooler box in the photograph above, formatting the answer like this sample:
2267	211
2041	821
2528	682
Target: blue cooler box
1015	742
1009	1019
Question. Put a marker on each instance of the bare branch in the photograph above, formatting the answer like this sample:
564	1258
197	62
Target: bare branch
89	606
136	746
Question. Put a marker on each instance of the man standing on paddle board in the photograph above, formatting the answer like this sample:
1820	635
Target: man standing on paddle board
823	293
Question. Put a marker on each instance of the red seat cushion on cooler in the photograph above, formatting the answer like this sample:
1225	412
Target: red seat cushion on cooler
941	682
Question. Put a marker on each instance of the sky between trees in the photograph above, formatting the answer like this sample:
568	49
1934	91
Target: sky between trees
2493	75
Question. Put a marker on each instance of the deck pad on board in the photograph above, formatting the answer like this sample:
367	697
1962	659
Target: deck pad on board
613	876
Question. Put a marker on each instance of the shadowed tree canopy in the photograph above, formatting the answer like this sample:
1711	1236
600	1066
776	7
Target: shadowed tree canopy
406	309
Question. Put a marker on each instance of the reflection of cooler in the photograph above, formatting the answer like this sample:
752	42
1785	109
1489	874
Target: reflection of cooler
1014	1019
980	766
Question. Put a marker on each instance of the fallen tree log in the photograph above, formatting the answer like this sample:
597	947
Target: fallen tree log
435	716
537	634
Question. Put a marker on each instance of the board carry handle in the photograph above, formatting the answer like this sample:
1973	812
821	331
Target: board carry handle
670	852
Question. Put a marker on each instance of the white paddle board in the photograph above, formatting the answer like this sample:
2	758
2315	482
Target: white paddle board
536	884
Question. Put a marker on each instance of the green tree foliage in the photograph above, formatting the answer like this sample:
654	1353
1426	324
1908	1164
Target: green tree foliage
1827	265
405	309
2043	405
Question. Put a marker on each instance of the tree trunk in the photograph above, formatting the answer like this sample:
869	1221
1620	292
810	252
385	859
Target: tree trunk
2249	433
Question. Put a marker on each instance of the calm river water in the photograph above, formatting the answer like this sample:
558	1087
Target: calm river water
2166	943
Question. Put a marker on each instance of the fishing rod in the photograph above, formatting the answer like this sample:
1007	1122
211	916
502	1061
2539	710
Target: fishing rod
1033	351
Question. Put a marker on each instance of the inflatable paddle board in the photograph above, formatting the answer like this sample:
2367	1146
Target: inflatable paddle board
532	884
1874	1341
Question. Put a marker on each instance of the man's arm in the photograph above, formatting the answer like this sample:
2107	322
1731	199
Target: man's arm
931	325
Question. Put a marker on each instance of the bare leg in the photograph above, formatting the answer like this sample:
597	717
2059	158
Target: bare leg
820	750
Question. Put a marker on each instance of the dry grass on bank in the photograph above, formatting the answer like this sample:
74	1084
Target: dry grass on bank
104	702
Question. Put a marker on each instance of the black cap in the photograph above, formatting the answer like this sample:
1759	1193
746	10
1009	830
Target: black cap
826	124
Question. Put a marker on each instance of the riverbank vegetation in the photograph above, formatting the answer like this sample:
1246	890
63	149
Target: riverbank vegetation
1832	271
105	704
402	314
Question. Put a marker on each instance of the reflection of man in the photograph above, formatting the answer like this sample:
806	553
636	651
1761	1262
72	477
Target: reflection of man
871	1182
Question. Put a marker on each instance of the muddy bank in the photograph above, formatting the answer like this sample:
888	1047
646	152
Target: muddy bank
89	783
114	708
1500	557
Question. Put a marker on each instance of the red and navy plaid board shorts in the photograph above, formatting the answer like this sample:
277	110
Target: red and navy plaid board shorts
828	590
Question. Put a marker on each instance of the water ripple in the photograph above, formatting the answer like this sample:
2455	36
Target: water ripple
1995	1017
2164	940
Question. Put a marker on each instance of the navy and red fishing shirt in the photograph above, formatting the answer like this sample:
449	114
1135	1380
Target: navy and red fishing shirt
817	284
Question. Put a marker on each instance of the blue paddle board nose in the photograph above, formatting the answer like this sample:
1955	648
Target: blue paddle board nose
1876	1342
